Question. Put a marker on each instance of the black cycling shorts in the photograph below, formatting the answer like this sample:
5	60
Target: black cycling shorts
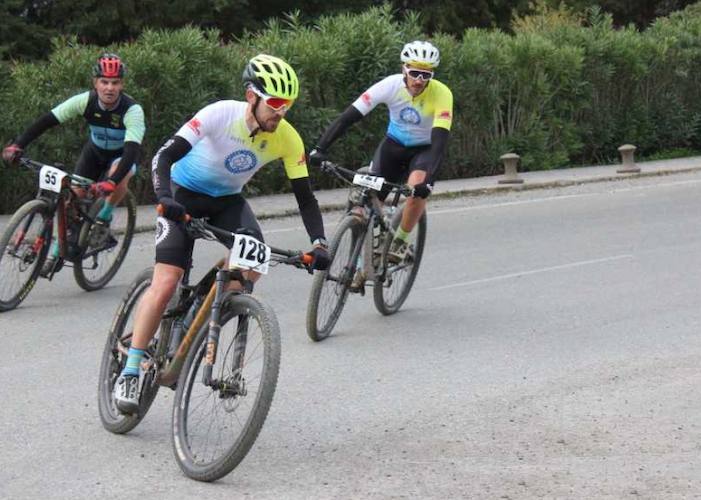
95	163
232	213
395	162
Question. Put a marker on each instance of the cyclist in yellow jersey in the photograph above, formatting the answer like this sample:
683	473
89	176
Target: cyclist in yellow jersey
420	116
208	162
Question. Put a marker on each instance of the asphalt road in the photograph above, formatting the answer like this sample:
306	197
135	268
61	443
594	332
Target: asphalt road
549	349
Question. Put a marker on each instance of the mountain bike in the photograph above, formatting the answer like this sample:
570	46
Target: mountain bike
219	349
358	253
94	250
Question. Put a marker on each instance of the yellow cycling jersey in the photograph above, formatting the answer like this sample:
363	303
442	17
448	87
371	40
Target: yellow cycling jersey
410	118
224	156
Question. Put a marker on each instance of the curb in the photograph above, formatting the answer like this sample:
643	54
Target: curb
481	191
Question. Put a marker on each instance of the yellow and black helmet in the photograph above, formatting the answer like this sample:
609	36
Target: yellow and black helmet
272	76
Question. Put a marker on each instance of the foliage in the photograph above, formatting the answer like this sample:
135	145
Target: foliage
564	87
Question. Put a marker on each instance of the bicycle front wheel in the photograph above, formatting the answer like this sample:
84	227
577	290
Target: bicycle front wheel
392	286
114	357
330	287
23	248
215	425
104	249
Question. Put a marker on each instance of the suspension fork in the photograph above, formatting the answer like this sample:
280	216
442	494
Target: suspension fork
221	281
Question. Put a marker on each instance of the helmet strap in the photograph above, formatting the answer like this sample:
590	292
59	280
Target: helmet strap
255	117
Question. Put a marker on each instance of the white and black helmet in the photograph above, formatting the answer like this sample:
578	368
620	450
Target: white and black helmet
421	54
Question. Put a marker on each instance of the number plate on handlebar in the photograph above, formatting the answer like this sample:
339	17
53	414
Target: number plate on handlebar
249	253
51	178
369	181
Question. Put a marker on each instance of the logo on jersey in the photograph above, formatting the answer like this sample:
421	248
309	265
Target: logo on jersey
162	229
115	120
240	161
366	99
410	115
195	125
445	115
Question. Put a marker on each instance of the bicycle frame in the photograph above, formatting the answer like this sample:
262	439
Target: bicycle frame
216	283
58	205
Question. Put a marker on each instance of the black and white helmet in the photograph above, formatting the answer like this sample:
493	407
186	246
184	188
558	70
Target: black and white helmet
421	54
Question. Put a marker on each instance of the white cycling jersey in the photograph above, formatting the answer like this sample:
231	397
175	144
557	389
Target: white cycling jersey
224	156
410	118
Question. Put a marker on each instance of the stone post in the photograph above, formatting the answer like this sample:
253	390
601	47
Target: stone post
628	165
510	174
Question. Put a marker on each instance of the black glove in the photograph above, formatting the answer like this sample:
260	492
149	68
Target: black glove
171	209
317	156
422	190
320	257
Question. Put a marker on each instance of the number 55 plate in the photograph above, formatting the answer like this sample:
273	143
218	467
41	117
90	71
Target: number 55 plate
249	253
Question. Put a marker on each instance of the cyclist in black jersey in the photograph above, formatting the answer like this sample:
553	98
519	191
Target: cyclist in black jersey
117	129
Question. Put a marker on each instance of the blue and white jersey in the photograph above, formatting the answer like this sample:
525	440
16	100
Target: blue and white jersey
224	156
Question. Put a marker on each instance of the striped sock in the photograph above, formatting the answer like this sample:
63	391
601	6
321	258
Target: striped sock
400	234
133	361
106	212
53	251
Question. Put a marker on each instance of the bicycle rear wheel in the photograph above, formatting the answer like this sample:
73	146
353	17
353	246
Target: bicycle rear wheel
114	357
392	287
215	426
330	287
102	250
23	248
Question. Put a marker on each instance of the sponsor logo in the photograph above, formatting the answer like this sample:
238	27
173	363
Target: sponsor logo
162	229
263	145
116	120
366	98
97	115
302	160
445	115
410	115
195	125
240	161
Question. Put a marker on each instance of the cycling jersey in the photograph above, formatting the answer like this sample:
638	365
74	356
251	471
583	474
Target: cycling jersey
109	129
224	155
410	118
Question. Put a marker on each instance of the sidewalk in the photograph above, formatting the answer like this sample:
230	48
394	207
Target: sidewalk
280	205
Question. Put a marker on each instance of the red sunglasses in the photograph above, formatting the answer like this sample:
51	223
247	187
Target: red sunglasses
274	103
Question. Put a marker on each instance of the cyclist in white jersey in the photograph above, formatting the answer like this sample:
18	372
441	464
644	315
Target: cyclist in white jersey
420	117
208	162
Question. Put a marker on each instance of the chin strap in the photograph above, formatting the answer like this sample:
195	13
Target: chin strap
255	117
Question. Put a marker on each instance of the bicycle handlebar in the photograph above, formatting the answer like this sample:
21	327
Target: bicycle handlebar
346	175
200	226
37	166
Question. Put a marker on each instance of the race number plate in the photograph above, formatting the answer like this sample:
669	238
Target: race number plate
50	178
249	253
369	181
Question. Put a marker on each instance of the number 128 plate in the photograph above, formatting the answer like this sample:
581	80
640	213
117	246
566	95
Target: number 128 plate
249	253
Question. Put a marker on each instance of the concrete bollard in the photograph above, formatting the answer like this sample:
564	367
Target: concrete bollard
628	165
510	174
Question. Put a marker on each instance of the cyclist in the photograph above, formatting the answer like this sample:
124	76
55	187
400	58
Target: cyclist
117	128
208	161
420	116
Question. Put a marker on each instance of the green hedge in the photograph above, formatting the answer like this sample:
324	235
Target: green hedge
559	91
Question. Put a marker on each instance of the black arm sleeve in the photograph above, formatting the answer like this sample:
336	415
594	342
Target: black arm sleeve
339	126
130	155
439	145
308	207
37	128
172	151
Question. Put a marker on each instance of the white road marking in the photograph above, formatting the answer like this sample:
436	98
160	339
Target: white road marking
532	271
